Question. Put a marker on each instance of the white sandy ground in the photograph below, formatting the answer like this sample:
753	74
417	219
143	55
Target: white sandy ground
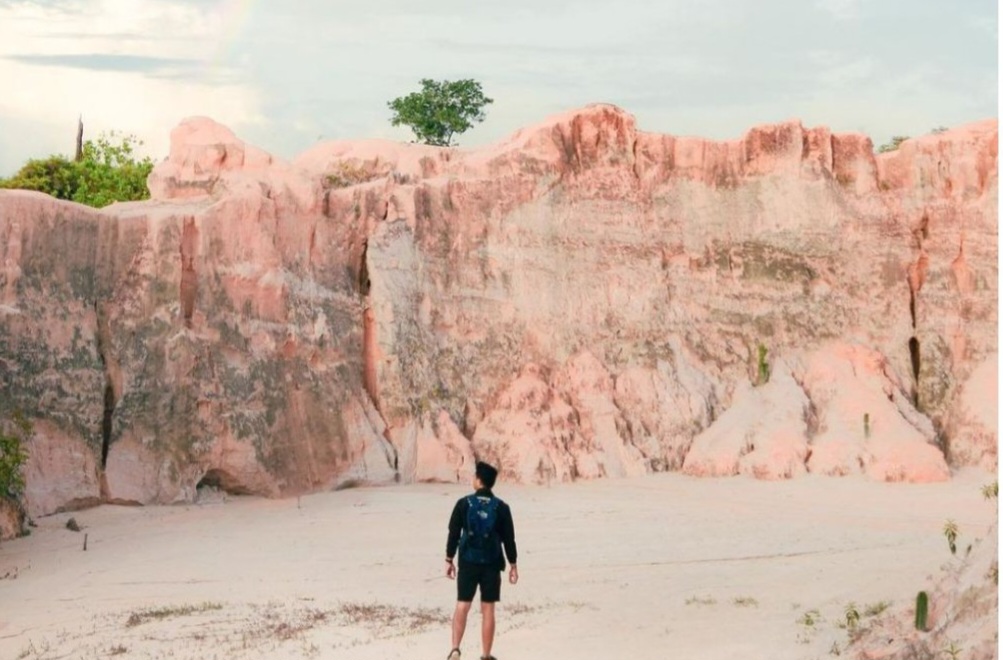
663	566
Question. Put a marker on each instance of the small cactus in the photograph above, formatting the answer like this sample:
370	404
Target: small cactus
763	365
922	606
867	425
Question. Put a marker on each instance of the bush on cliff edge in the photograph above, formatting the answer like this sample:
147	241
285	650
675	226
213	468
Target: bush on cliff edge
107	172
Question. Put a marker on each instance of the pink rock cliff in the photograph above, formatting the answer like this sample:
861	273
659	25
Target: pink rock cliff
581	300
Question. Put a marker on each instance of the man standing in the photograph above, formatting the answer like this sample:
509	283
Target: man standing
481	525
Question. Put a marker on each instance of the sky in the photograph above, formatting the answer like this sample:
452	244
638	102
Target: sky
284	74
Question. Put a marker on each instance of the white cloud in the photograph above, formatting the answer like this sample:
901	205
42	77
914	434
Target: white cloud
283	75
843	10
146	103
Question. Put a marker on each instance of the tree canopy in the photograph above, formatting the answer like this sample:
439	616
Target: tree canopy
440	110
108	171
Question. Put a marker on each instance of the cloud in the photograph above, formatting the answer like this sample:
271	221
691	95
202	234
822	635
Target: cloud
843	10
284	74
70	58
109	62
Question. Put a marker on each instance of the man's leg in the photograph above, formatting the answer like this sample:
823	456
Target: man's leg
487	627
490	594
466	587
460	622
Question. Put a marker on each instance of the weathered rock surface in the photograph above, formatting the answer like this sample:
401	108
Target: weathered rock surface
581	300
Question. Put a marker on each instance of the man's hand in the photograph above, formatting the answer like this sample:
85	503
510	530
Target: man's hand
513	575
450	570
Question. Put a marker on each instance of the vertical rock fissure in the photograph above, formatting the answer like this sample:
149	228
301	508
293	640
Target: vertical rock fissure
109	413
917	276
369	345
915	359
189	276
110	400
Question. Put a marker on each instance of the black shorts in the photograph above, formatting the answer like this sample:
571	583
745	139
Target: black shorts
471	576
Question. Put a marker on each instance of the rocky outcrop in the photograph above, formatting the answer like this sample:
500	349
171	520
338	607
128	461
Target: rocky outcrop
838	410
581	300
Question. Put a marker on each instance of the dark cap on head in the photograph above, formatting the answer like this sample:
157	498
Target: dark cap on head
486	473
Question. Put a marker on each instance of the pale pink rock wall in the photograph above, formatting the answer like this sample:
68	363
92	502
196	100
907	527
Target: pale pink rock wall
583	299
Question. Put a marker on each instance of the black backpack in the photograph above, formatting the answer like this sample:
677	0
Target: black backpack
480	542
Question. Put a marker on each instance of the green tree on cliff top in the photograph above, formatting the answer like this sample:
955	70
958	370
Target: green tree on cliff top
440	110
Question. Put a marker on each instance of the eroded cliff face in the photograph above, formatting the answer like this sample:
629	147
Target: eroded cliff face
581	300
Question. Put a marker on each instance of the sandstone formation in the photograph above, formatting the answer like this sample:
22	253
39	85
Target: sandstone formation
581	300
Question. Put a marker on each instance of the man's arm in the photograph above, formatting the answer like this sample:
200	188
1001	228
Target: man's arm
506	529
455	526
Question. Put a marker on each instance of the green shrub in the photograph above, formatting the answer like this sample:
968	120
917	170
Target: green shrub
107	172
14	433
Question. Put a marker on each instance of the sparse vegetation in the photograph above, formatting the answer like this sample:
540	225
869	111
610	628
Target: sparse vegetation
892	144
867	425
810	619
40	651
991	491
746	601
762	366
142	616
851	617
521	608
952	651
410	618
876	608
697	600
346	175
951	534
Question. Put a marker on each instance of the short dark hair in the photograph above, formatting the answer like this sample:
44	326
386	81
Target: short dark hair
486	473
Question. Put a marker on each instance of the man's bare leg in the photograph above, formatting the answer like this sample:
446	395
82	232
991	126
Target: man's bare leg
460	622
487	627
